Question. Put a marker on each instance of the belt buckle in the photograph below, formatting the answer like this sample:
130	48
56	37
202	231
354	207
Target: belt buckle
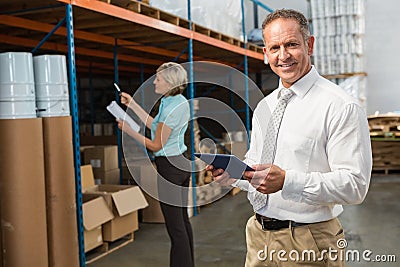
271	224
262	224
267	225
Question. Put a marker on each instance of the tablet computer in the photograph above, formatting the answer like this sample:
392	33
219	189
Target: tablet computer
230	163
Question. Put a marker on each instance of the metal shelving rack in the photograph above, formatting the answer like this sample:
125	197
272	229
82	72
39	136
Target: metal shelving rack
21	18
75	128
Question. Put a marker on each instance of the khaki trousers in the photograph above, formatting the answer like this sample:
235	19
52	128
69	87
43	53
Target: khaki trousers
318	244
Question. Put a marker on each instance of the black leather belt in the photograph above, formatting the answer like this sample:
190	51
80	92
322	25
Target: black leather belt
270	224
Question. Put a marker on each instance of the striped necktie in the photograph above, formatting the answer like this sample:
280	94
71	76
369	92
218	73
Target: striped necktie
269	146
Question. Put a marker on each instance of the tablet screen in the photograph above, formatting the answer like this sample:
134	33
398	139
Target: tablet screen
230	163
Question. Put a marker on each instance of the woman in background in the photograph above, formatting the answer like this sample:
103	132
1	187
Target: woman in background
167	143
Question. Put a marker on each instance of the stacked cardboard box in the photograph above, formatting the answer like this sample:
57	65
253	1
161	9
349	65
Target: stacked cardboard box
146	174
122	203
104	160
95	214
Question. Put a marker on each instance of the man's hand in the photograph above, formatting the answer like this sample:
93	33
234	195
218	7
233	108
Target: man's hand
220	176
266	178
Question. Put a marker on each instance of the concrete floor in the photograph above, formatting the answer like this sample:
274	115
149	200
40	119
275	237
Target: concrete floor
220	239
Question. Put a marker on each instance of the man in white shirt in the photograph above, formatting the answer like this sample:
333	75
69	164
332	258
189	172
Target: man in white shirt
322	157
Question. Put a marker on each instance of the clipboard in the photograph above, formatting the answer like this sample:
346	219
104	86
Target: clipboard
230	163
120	114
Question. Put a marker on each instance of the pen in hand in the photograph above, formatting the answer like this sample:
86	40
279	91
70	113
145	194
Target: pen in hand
117	87
124	97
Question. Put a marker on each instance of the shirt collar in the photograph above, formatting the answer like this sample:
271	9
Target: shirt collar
167	99
302	86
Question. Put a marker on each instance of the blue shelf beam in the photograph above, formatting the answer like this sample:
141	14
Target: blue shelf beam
262	5
191	97
59	24
246	73
117	98
180	54
75	127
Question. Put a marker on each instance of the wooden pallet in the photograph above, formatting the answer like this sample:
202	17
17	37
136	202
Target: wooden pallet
386	170
385	155
385	136
108	247
144	8
386	123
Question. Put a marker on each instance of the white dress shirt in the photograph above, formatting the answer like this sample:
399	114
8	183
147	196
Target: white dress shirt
323	145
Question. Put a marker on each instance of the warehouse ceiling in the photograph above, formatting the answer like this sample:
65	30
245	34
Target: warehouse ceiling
141	36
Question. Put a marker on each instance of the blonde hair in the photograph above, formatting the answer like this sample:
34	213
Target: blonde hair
175	75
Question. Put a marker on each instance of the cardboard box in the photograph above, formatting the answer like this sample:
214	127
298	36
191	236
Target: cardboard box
82	150
146	174
107	177
123	200
92	238
238	149
135	168
127	176
103	158
121	226
87	178
95	213
153	213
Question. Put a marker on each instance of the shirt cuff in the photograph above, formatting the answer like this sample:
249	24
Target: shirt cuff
293	187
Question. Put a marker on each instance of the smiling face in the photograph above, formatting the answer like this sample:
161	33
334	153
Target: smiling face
287	52
160	85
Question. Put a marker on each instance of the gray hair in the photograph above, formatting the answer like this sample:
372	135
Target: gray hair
289	14
175	75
